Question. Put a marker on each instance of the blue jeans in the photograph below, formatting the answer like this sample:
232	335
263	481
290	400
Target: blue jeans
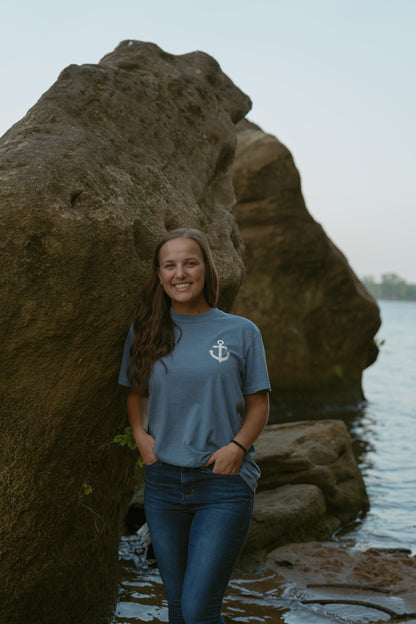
198	523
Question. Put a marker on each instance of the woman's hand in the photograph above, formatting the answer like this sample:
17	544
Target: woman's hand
227	460
145	443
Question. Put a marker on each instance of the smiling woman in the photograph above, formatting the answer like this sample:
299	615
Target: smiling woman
204	376
182	275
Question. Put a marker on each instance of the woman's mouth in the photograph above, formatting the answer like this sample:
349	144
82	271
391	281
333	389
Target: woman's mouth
181	286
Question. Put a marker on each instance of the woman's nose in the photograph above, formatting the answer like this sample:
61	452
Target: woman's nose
180	270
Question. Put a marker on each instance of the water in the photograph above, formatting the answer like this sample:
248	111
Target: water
388	430
383	435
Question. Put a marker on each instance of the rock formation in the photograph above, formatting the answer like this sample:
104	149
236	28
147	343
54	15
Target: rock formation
109	158
317	319
310	484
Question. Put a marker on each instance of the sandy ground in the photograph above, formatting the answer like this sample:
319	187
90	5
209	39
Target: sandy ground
327	571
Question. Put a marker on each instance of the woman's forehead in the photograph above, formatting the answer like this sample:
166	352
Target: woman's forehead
179	248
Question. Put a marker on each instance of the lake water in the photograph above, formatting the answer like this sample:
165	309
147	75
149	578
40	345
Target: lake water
384	434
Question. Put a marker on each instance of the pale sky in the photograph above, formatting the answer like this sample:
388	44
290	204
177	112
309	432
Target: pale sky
334	80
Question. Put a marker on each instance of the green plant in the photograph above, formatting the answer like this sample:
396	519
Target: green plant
338	371
127	439
87	489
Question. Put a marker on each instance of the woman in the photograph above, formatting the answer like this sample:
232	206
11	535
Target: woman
205	375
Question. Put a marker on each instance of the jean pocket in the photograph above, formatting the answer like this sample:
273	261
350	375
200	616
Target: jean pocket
207	469
227	475
210	470
155	463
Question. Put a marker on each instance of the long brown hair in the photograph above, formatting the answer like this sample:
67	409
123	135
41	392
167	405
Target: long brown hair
154	334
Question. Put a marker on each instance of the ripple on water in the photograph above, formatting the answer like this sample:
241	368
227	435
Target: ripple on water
262	598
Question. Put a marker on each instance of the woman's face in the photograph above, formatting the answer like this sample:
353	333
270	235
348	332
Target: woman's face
182	273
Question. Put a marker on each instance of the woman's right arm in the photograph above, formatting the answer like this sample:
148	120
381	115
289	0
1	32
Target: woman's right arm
136	409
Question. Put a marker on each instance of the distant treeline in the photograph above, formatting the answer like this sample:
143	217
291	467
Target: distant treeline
391	286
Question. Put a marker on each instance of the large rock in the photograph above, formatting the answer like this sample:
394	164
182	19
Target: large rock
310	484
111	157
290	513
317	320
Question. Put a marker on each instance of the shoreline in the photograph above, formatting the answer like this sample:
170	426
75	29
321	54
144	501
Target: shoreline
328	573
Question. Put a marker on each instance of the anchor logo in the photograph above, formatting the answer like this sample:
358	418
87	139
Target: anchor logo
221	347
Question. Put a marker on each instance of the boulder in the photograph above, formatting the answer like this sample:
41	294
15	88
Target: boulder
290	513
315	452
318	321
111	157
310	484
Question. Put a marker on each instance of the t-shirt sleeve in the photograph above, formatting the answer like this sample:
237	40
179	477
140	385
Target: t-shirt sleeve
123	378
256	374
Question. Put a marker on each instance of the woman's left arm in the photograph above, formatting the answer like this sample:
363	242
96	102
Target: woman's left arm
228	459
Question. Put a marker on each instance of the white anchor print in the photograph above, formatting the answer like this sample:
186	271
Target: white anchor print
221	347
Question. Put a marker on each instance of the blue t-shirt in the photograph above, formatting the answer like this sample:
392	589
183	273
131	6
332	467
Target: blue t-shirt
197	405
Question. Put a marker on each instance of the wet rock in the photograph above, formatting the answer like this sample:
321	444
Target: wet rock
108	159
319	571
318	321
290	513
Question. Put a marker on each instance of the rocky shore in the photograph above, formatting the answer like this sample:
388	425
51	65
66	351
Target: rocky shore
111	157
378	584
